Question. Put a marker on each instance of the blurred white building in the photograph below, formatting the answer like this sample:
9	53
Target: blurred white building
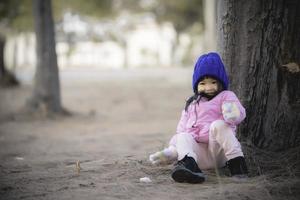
150	45
129	41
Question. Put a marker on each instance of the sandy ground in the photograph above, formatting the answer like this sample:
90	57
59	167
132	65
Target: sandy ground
120	117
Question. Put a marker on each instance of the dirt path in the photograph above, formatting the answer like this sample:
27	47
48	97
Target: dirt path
120	118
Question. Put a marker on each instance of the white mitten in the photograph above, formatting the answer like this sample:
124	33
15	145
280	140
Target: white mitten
164	157
230	111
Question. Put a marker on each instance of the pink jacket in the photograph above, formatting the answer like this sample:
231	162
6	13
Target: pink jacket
199	116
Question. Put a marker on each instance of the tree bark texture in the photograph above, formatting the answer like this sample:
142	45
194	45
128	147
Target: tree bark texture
256	38
46	92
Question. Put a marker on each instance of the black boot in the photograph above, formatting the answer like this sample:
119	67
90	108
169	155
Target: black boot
187	170
238	167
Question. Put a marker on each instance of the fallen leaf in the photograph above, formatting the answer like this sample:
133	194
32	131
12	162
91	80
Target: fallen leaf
292	67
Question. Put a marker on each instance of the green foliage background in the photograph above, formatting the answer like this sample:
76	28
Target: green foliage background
16	15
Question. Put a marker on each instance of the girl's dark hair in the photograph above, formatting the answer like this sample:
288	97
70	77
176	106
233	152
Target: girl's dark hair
195	97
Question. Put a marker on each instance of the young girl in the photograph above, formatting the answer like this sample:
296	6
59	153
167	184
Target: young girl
205	136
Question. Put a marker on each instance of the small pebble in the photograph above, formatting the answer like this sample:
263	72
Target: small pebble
145	180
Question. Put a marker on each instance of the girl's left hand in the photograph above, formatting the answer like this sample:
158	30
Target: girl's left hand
230	111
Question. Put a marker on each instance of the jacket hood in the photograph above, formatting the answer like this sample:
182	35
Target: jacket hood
210	65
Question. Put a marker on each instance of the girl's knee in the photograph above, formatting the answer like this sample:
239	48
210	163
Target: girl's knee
218	124
217	127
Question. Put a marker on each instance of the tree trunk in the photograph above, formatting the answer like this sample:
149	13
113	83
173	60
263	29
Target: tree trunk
7	79
256	38
46	92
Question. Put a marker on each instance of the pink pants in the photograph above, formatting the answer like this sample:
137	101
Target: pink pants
222	146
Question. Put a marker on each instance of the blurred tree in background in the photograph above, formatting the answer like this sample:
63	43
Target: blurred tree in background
15	16
19	16
46	92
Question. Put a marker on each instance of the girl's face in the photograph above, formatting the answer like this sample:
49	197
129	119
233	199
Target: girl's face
209	86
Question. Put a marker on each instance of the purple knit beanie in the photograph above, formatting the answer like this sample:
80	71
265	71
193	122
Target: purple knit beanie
210	65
